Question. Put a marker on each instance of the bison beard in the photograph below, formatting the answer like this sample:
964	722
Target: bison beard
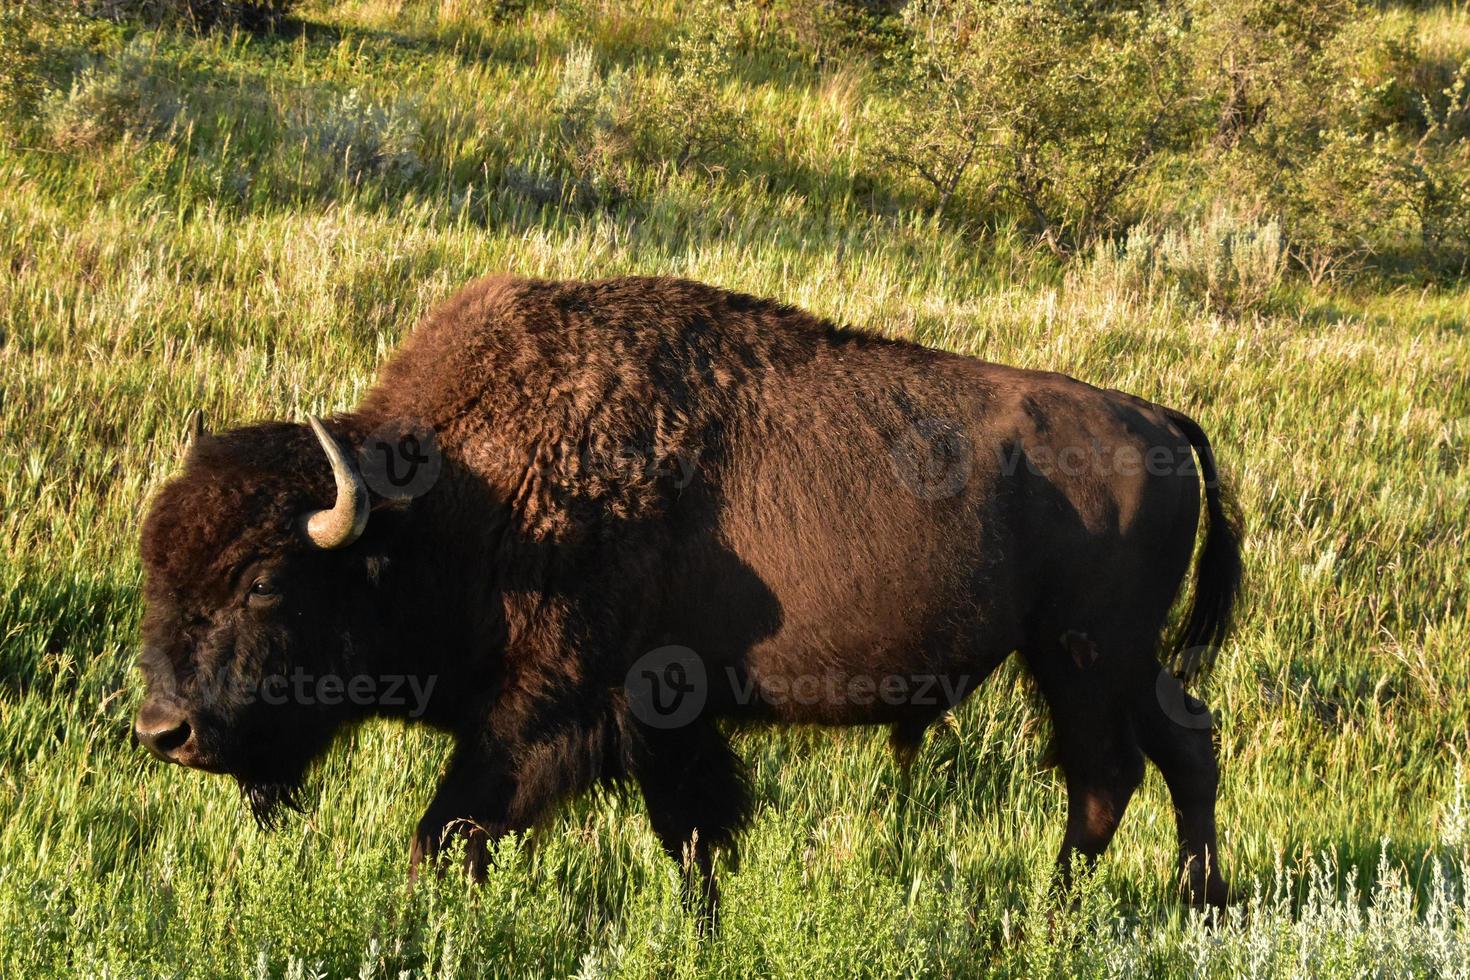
657	482
267	800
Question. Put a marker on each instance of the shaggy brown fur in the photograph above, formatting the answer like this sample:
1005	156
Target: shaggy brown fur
842	529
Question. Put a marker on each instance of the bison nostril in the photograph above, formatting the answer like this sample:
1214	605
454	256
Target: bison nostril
172	739
163	732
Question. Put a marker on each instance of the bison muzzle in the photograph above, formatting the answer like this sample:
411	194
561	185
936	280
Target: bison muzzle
656	506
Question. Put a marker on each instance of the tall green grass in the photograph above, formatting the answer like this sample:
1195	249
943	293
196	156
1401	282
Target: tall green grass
249	225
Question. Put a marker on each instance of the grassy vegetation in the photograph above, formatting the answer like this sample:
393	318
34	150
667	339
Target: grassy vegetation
249	223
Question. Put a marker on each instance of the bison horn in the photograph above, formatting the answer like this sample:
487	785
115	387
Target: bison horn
344	522
196	429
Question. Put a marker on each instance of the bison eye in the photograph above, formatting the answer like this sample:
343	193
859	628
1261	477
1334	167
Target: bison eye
262	589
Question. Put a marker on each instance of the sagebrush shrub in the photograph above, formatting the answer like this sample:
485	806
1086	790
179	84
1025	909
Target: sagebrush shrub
1225	261
361	136
593	126
112	98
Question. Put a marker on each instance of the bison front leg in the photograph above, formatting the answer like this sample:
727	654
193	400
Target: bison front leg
470	810
697	796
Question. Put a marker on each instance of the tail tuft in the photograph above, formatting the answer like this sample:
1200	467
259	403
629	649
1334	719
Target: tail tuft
1218	571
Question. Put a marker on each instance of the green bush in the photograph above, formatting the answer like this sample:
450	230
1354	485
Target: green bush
19	57
1260	60
690	118
1345	126
1056	116
609	125
1362	196
594	119
1056	108
255	15
39	43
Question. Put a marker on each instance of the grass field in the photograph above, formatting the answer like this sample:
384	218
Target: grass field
248	224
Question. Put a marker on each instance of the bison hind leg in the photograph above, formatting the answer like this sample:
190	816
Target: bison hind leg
698	798
1095	745
1175	730
1111	708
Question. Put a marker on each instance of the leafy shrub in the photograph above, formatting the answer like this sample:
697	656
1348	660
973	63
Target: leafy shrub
1361	195
1347	128
1056	115
1260	58
1372	188
1376	76
39	41
254	15
1059	107
1225	261
690	118
19	58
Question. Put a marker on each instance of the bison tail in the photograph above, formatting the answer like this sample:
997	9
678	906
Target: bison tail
1218	570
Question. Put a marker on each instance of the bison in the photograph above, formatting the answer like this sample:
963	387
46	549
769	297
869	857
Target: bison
656	507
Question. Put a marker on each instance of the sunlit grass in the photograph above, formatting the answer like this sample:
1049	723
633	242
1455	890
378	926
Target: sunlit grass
222	257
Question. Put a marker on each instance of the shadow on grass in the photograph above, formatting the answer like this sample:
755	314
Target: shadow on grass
54	622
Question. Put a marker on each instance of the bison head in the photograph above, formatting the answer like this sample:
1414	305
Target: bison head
255	581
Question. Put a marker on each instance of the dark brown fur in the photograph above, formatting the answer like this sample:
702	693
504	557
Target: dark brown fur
637	463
